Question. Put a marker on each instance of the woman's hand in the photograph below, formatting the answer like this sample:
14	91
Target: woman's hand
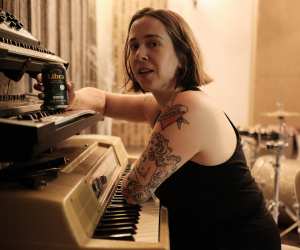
40	87
89	98
84	98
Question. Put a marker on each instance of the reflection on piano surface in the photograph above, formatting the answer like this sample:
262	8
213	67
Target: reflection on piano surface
83	207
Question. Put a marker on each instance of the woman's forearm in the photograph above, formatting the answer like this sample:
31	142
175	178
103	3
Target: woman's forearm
124	106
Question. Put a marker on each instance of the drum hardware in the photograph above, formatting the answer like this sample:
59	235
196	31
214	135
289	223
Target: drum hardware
275	203
274	172
277	147
254	140
250	148
296	219
264	174
281	113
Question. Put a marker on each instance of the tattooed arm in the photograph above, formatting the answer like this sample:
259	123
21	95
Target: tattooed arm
156	164
164	153
192	128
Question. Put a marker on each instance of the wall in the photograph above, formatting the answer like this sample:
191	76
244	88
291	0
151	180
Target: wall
225	30
277	63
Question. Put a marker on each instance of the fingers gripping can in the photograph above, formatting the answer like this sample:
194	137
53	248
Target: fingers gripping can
55	87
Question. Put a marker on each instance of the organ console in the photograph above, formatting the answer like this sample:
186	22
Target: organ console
60	190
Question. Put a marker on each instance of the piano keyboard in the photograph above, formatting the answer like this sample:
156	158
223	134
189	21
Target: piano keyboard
61	118
29	51
35	132
122	221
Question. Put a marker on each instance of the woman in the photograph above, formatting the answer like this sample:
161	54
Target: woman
193	162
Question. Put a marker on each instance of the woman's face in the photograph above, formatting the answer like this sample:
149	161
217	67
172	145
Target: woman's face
152	57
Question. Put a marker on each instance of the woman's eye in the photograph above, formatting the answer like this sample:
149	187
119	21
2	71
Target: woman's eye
152	44
133	46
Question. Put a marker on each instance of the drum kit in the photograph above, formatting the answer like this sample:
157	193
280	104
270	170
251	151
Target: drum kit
270	154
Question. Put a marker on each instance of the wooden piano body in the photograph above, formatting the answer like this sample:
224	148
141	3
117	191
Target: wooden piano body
66	212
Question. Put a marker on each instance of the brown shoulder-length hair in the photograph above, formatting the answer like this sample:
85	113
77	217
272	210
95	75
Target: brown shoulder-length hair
191	72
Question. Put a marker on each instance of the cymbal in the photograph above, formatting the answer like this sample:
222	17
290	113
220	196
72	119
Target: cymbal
281	113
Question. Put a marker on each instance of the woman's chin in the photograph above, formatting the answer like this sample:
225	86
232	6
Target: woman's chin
145	85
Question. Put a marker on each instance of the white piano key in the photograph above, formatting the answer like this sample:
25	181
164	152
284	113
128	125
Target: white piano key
148	224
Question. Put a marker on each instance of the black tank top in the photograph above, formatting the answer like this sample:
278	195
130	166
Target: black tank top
217	205
223	192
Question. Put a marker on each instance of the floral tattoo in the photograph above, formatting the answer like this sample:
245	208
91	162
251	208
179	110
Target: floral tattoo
165	163
173	114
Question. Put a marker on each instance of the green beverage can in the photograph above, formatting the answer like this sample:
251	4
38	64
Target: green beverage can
55	87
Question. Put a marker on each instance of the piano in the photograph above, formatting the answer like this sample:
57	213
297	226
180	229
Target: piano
83	207
59	189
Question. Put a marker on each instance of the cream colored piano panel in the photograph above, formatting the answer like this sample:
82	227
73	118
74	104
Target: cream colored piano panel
81	210
82	205
115	142
30	217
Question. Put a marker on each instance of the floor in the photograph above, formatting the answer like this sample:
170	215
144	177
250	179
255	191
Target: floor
292	238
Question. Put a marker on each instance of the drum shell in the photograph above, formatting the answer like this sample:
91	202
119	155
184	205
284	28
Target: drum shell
263	171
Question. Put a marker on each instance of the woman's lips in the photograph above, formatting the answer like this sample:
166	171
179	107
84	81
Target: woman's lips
144	71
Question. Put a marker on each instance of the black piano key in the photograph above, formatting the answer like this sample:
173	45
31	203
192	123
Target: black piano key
132	219
121	196
118	202
119	193
119	219
125	206
128	213
119	209
128	237
119	199
121	214
114	230
117	224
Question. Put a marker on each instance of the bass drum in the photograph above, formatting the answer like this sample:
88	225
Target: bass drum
249	147
263	172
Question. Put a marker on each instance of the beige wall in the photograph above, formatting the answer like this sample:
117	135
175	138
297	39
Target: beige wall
277	64
251	48
225	30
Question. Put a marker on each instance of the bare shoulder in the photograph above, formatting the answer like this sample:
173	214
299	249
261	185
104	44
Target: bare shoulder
199	104
208	125
203	113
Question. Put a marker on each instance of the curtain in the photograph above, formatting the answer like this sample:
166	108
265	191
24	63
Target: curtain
67	28
132	134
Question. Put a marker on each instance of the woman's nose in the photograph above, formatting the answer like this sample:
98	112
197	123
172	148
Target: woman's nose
142	54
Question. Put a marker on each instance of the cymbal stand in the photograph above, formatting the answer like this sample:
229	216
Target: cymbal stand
278	147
